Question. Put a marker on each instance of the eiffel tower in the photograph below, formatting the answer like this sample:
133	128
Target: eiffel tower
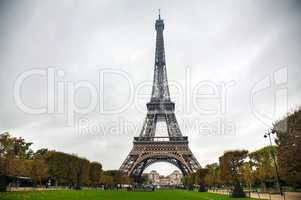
147	148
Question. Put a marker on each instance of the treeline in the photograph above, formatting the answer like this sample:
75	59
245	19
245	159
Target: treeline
236	169
240	169
46	167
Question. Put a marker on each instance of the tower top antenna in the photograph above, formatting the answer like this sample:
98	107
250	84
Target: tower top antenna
159	13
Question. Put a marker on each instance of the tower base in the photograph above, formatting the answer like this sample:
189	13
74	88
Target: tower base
148	150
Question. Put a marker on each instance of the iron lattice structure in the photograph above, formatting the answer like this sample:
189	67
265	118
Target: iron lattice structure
147	148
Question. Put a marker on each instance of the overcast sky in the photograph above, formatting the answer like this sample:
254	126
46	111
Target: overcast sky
252	47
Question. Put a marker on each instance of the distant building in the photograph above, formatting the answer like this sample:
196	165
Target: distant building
154	177
175	178
172	179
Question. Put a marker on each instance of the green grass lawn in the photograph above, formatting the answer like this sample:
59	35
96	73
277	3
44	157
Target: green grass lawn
112	195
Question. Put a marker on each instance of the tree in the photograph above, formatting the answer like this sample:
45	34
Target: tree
288	132
262	161
17	159
118	177
106	180
188	181
247	173
12	150
213	177
68	169
200	175
3	167
230	164
40	154
95	173
39	170
81	171
126	180
59	165
19	167
11	147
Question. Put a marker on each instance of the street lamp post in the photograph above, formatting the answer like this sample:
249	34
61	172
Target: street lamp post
268	134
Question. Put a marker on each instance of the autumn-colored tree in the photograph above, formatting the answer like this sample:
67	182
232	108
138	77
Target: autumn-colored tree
119	178
59	165
19	167
189	181
17	159
68	169
95	173
12	147
247	174
39	170
12	152
14	158
263	163
230	164
200	175
126	180
80	171
212	178
40	154
288	132
106	180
